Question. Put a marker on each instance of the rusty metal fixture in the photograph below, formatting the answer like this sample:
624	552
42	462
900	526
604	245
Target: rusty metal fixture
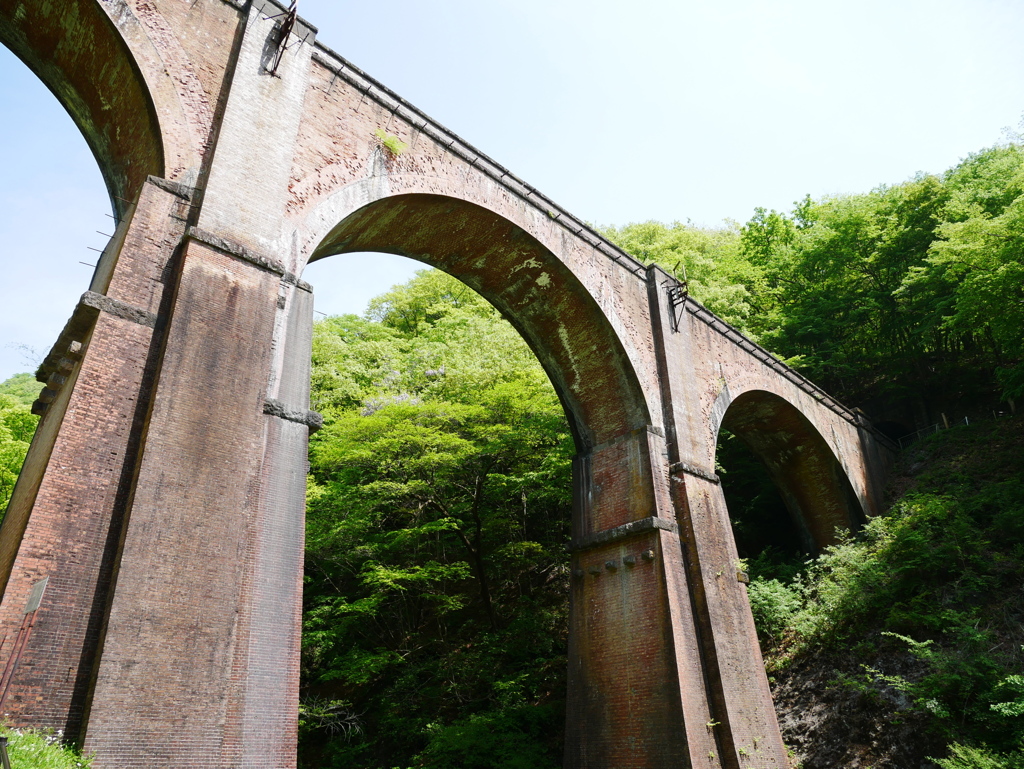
35	598
284	31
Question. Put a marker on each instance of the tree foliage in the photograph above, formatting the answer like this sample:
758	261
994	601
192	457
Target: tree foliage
908	287
17	425
435	621
709	259
910	290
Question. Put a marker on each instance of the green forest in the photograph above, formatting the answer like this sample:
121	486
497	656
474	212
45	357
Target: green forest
436	585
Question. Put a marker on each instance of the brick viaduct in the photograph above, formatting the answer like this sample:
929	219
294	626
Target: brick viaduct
163	496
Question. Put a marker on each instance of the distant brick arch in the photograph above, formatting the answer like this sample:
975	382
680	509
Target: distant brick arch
810	478
161	505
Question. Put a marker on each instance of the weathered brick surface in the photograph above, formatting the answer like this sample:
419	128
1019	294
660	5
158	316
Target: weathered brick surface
166	506
622	671
74	529
78	482
189	545
141	271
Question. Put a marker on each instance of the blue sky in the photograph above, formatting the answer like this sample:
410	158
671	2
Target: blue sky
620	112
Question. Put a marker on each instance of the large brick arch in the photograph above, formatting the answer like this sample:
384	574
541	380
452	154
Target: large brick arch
143	97
529	285
811	480
78	52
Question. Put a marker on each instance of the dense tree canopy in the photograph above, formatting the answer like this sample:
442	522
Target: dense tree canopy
907	289
910	290
438	514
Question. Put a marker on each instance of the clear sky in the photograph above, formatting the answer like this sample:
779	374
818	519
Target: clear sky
619	111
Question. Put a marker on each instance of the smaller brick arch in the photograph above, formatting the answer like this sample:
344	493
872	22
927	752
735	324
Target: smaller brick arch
528	284
811	481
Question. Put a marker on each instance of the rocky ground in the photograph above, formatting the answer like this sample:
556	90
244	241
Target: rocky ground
831	720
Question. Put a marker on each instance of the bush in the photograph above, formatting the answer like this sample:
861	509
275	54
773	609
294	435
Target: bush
512	739
773	605
966	757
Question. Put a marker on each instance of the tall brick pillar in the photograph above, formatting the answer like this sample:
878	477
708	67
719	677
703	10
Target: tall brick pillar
201	652
742	711
65	519
636	680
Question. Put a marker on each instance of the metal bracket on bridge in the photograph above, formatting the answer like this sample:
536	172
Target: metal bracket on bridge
677	296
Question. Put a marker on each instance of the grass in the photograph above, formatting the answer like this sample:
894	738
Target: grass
394	145
33	749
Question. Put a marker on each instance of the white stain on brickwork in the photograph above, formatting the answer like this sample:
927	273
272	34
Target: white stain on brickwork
577	381
530	263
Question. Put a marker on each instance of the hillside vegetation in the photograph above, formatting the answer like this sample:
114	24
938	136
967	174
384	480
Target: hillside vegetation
906	642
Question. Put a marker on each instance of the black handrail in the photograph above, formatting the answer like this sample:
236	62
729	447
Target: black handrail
4	760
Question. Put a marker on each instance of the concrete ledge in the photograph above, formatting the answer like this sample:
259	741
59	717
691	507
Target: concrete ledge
275	408
175	188
622	532
118	308
683	468
80	324
237	250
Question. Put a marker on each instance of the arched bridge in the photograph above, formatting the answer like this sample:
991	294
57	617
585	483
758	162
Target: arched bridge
151	557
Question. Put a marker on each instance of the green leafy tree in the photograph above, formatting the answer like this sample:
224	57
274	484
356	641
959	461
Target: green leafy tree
973	277
17	425
438	513
717	273
22	387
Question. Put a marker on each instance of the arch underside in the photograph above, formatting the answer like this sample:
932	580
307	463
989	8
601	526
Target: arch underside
810	479
76	51
528	284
